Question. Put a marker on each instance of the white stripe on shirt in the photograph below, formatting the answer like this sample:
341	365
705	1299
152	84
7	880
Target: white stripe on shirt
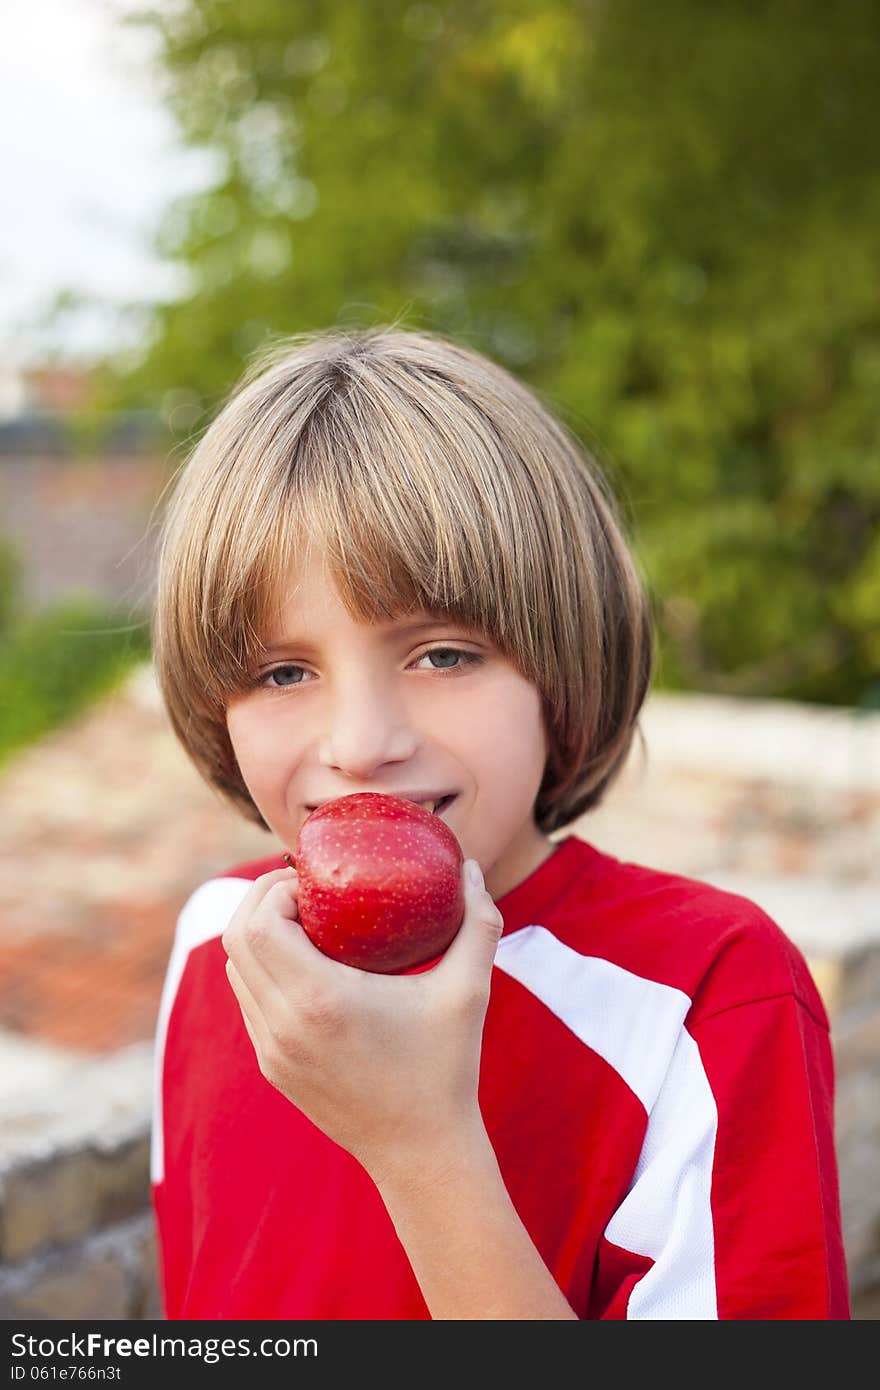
637	1026
206	914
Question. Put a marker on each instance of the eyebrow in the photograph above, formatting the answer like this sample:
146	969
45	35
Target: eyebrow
398	630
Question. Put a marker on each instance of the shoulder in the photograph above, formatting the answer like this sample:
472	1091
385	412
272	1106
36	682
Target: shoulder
716	948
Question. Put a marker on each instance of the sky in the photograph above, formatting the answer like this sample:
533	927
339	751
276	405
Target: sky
88	160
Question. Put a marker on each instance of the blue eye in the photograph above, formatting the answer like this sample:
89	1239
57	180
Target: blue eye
280	671
445	652
462	658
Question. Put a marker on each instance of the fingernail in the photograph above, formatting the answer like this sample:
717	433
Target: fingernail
474	873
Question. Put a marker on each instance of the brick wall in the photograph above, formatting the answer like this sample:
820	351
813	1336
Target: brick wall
86	526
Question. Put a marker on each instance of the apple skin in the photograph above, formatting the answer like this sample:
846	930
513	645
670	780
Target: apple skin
379	882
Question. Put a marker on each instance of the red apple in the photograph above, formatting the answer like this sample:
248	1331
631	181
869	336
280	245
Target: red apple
379	882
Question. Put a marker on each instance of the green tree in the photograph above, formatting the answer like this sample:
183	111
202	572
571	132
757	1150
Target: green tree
664	217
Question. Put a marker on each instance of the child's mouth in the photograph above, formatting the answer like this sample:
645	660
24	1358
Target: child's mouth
437	808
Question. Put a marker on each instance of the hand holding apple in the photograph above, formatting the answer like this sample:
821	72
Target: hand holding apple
386	1065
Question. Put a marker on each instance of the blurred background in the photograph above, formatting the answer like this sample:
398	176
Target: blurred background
667	220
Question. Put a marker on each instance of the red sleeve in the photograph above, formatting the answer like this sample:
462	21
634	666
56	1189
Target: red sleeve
775	1198
733	1211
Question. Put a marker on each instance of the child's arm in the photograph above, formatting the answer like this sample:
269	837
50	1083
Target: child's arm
388	1067
469	1251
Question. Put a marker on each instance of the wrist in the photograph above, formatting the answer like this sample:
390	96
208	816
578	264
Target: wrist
466	1243
465	1155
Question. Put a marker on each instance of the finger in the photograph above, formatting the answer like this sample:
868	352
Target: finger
285	951
274	956
283	883
250	1012
263	885
476	942
247	940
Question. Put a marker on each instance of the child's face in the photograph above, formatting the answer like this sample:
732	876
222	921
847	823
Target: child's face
343	707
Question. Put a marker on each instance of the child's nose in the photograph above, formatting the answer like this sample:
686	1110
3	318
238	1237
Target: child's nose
366	729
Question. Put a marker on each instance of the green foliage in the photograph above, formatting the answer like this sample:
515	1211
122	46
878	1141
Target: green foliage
664	217
10	583
53	664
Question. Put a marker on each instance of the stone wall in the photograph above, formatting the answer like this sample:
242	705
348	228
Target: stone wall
776	801
76	1230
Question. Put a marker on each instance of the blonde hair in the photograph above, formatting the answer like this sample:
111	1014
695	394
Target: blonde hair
432	479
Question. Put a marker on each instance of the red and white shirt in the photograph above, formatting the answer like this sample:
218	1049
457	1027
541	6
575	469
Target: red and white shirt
656	1080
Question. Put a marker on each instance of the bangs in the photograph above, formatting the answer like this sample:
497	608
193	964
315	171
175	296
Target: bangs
409	517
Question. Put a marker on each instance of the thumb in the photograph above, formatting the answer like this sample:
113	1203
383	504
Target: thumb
477	938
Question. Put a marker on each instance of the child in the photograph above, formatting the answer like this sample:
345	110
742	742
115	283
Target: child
388	568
